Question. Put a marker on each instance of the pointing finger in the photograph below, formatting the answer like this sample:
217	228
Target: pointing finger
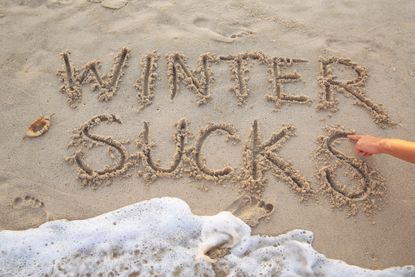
354	137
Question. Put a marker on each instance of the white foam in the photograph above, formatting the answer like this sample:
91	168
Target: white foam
162	237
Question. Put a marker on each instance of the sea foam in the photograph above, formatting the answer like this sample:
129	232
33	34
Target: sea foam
162	237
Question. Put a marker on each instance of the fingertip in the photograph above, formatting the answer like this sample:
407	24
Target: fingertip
353	137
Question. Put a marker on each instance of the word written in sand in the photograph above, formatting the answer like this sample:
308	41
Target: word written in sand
258	157
199	81
188	159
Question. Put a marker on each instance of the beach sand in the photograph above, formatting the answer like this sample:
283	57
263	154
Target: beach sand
38	184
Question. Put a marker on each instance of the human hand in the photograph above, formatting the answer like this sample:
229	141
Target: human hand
367	145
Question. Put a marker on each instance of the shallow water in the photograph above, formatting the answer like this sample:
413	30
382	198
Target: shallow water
162	237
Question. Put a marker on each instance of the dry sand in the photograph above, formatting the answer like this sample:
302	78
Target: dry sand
244	88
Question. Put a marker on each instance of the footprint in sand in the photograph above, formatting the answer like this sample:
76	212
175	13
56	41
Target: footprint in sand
111	4
223	32
250	209
47	3
20	208
23	212
27	202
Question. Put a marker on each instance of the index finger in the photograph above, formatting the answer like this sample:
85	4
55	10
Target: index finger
354	137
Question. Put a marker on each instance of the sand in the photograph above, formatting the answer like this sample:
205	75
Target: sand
247	91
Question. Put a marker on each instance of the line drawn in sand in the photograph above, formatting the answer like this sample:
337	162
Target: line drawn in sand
107	85
83	139
198	164
278	78
178	71
146	83
74	78
371	190
153	170
329	85
238	65
259	157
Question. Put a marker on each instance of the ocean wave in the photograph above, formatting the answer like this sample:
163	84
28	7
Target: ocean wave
161	237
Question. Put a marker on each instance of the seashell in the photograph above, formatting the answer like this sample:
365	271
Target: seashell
39	126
